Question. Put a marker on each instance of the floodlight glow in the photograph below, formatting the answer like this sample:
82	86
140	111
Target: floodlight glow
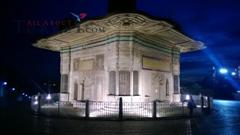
4	83
223	71
48	97
35	102
23	94
187	97
36	97
233	73
13	89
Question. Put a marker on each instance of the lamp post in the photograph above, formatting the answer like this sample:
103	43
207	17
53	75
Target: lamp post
3	84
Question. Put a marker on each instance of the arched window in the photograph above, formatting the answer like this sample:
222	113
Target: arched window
167	88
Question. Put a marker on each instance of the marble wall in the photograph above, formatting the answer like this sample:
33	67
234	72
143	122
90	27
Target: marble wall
89	70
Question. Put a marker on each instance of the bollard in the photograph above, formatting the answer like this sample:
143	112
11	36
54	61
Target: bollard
209	103
202	103
87	109
154	114
58	108
39	104
120	109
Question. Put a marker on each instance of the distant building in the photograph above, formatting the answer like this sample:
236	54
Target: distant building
123	55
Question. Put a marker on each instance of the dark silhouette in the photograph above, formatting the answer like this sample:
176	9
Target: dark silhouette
191	106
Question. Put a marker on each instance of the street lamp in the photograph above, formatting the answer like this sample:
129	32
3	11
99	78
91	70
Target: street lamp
5	83
187	97
1	88
35	102
233	73
223	71
49	97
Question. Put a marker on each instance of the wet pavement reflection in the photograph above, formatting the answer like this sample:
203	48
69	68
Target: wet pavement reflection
224	120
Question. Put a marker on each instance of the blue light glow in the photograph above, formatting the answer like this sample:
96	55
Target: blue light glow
233	73
223	71
218	64
5	83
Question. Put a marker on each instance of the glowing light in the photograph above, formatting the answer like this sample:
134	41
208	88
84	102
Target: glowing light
5	83
13	89
23	94
48	97
130	109
223	71
233	73
187	97
36	97
215	60
225	102
35	102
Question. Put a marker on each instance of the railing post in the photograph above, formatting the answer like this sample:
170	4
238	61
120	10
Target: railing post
209	103
39	104
87	109
154	109
183	112
120	109
202	102
59	108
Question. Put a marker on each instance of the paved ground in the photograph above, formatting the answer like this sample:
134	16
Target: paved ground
224	120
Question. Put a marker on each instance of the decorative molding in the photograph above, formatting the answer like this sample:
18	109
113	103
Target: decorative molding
118	24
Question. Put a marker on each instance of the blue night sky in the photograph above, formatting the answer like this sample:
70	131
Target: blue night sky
214	22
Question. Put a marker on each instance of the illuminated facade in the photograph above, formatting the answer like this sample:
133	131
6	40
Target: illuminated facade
123	55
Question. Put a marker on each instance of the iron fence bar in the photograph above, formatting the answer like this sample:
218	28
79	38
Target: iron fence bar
208	103
154	109
120	109
202	103
87	109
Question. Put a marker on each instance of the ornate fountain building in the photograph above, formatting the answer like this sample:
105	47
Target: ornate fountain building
122	55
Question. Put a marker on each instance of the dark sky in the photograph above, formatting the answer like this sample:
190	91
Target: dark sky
214	22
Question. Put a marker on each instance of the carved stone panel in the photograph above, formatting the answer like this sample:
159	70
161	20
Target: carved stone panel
75	64
156	64
100	62
85	65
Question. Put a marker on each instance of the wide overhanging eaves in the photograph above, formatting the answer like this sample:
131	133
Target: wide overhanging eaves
125	23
